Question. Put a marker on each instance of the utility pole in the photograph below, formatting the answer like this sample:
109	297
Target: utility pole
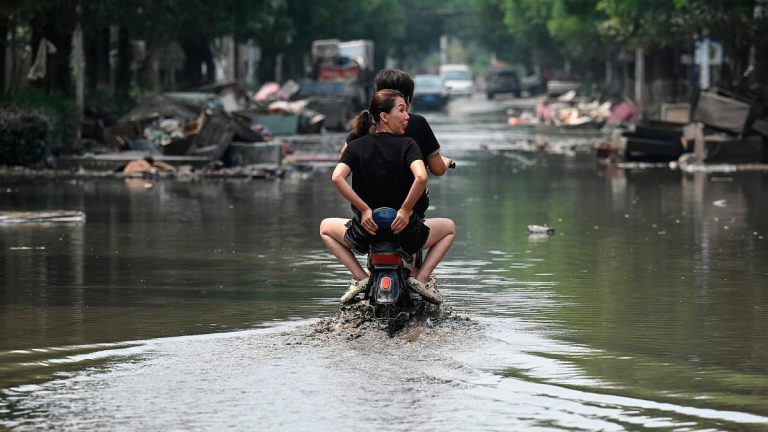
78	62
639	75
443	49
704	79
77	58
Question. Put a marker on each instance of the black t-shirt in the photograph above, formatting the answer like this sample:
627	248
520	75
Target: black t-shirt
418	129
381	168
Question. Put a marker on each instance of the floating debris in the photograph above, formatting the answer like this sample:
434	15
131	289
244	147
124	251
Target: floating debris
53	216
540	230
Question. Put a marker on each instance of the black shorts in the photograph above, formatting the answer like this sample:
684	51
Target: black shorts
412	239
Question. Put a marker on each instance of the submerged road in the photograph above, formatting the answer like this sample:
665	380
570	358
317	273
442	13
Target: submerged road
208	305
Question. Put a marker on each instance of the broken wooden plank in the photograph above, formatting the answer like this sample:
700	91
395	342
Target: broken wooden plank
52	216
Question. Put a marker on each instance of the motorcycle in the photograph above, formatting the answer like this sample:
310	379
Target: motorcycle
390	300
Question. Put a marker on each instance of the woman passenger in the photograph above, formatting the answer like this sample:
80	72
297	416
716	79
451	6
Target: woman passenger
387	171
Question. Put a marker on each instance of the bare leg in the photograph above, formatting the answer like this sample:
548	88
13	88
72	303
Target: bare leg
332	232
442	232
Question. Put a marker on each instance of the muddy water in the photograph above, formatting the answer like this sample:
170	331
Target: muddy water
210	304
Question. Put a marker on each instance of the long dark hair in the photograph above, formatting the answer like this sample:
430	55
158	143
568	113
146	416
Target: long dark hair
382	101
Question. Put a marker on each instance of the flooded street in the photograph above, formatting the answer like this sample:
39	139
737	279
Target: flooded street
193	305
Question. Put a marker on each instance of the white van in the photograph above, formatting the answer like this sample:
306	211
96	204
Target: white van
457	79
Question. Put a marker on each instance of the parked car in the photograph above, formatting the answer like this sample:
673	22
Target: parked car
429	92
457	79
499	81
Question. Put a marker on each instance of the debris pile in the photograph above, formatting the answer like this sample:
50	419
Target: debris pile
718	130
571	112
218	127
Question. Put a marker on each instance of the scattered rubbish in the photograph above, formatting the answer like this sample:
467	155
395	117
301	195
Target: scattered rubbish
676	113
540	229
721	112
221	125
268	91
654	142
720	140
723	148
720	203
566	112
625	111
146	165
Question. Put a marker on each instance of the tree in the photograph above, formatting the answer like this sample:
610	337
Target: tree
527	21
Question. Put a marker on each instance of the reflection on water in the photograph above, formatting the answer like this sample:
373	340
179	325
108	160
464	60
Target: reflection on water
647	308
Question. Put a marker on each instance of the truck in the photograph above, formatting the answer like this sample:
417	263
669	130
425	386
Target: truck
340	79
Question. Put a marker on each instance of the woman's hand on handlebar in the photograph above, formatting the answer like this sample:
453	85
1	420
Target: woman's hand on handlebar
401	221
366	220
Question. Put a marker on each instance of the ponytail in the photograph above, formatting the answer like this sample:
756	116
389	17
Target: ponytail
363	123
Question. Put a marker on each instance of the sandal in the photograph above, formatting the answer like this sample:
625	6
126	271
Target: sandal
355	288
426	290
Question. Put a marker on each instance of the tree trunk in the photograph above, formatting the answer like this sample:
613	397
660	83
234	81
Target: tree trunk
3	50
123	67
91	42
210	66
13	79
267	66
639	75
60	73
97	59
198	52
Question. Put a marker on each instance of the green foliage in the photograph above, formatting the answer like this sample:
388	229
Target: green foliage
575	24
527	21
22	136
60	117
379	20
530	32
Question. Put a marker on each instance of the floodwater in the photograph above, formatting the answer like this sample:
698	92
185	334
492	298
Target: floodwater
195	305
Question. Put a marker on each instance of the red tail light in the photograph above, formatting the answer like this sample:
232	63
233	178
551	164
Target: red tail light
385	259
385	283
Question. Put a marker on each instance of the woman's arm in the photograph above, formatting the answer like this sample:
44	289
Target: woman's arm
339	179
417	188
438	164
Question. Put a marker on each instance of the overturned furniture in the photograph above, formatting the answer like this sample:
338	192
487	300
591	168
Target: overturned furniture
717	130
725	135
655	142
